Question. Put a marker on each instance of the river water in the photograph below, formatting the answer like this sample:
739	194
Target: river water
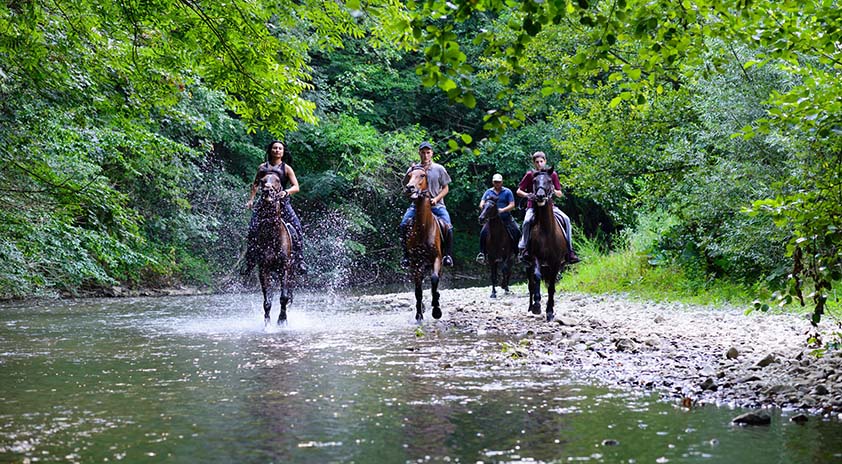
199	379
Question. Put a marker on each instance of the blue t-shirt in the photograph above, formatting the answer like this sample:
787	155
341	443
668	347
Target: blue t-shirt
503	199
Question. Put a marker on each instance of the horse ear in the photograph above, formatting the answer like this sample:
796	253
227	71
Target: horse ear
550	169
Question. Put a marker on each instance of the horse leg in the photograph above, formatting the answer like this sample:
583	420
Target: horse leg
434	286
266	286
536	300
493	279
419	296
284	299
550	281
507	274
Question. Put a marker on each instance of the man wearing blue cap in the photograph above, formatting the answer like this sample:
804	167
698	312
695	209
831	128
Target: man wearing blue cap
437	180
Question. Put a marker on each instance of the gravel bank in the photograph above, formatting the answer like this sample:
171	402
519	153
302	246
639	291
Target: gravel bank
691	353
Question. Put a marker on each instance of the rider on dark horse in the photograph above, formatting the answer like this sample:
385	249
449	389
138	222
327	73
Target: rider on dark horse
505	203
524	190
275	165
437	180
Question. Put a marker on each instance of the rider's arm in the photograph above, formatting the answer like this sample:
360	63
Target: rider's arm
521	193
293	188
557	186
441	194
253	192
508	207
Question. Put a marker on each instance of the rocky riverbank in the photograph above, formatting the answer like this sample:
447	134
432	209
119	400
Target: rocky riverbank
691	353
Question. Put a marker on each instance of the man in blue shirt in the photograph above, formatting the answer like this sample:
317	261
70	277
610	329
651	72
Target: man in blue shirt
505	203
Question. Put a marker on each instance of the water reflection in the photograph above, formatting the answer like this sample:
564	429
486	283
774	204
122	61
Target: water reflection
201	379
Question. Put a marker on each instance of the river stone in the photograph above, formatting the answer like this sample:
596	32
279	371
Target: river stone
800	419
820	390
610	442
768	359
732	353
752	418
709	384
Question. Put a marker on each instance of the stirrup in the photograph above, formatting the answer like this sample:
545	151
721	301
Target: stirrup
447	261
524	255
481	259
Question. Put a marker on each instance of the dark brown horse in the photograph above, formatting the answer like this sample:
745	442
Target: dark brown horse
547	245
423	242
273	246
499	245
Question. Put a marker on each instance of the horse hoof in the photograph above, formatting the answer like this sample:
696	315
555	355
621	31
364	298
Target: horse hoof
536	309
282	322
550	317
436	313
419	317
493	295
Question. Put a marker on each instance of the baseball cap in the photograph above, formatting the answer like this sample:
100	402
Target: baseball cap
497	178
425	145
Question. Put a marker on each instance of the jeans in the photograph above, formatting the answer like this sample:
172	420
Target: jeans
438	211
527	225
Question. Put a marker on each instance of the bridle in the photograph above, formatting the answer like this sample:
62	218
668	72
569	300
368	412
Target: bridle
414	189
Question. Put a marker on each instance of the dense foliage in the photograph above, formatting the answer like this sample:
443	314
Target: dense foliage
130	131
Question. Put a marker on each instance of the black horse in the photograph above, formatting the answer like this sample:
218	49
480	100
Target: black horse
499	243
548	245
271	245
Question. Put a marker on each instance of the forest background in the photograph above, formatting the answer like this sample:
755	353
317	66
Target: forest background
696	140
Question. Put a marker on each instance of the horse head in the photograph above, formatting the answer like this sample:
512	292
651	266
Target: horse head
542	186
271	188
489	210
416	186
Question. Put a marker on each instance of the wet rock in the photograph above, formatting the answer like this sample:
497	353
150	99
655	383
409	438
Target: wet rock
709	384
659	319
799	419
747	379
566	321
752	418
625	344
820	390
768	359
732	353
610	442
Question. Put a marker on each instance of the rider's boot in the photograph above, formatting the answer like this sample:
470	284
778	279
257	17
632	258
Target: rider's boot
447	260
481	258
523	254
572	258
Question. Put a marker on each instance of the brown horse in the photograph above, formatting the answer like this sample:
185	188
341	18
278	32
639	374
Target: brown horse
423	242
273	245
499	245
547	245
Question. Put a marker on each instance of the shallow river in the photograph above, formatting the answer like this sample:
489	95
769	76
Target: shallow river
199	379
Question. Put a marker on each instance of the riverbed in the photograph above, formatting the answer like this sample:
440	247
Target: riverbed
354	379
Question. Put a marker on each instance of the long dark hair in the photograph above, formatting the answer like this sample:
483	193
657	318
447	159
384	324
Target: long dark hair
287	155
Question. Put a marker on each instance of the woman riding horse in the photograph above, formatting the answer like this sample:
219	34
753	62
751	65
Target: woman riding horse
277	165
273	245
548	248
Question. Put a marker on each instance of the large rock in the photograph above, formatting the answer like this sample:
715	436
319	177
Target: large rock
752	418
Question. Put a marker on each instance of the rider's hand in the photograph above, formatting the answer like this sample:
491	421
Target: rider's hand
284	194
530	196
433	201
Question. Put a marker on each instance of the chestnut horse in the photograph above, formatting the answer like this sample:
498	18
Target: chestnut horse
547	244
500	246
423	242
273	246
